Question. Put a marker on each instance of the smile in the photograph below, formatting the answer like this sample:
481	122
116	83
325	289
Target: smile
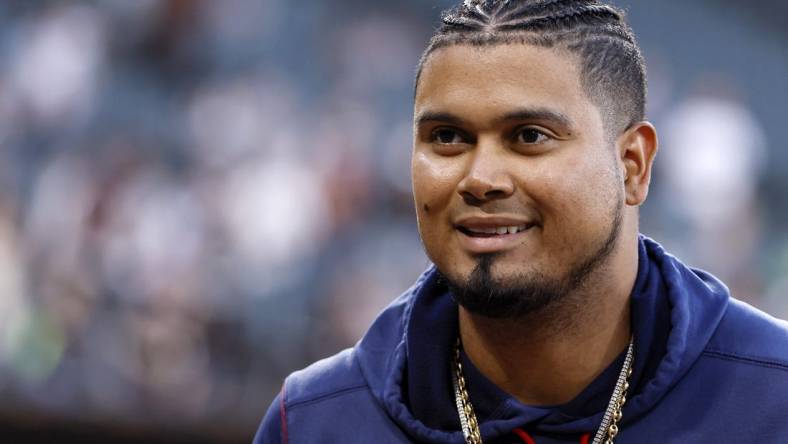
488	238
493	231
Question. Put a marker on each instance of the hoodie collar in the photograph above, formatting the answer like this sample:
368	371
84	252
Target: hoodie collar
674	312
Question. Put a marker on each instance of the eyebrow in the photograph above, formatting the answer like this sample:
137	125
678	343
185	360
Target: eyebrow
533	114
443	117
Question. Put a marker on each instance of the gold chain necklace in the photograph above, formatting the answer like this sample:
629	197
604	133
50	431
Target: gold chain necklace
607	431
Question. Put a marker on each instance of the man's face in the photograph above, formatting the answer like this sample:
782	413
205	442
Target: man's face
516	184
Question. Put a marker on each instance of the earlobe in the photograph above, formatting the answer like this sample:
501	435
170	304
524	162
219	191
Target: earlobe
637	148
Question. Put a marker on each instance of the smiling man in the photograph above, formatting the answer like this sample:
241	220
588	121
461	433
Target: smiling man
547	317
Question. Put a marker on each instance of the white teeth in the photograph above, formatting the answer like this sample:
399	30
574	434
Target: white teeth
500	230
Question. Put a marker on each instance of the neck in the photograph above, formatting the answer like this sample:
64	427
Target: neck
550	356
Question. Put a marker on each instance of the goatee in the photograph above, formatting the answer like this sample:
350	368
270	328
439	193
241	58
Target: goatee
525	294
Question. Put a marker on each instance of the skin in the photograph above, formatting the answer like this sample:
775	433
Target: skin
508	131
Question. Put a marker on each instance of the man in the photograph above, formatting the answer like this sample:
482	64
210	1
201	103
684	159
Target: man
546	317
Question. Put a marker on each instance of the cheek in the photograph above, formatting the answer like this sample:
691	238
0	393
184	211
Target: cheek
434	183
575	198
434	189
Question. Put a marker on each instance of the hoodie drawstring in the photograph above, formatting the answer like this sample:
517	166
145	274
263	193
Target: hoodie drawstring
527	439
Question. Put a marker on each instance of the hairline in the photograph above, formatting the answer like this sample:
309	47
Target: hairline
611	128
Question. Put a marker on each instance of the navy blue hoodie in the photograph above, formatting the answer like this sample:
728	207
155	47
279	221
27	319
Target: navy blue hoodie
708	369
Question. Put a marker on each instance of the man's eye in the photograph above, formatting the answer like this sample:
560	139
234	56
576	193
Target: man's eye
531	136
446	136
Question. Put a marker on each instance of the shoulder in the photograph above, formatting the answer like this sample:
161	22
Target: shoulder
327	378
357	373
749	336
326	398
740	377
271	429
366	364
330	401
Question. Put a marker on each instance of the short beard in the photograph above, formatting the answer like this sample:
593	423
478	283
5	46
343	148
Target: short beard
483	295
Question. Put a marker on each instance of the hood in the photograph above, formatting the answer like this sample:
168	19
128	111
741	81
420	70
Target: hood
405	355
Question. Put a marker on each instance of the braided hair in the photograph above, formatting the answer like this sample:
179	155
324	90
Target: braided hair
612	68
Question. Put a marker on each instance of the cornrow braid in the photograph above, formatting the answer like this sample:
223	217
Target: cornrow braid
585	15
612	68
546	7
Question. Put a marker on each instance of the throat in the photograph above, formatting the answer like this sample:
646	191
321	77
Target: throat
541	367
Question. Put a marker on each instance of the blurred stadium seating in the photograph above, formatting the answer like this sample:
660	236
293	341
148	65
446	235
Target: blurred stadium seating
198	197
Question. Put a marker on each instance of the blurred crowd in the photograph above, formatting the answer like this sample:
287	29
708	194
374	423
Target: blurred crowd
198	197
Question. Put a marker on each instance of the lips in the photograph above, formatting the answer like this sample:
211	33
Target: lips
479	226
491	234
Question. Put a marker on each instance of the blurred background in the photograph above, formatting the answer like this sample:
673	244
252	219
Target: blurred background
198	197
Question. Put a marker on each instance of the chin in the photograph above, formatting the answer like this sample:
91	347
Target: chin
493	287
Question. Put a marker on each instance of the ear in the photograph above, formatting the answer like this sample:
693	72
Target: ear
637	147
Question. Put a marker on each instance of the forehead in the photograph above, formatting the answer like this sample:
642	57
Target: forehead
490	80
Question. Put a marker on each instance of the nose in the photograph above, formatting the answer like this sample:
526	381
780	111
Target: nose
487	177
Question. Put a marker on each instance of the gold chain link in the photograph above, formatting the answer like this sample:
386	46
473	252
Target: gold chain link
473	426
612	429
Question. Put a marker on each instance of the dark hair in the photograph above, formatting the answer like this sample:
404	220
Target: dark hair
612	68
